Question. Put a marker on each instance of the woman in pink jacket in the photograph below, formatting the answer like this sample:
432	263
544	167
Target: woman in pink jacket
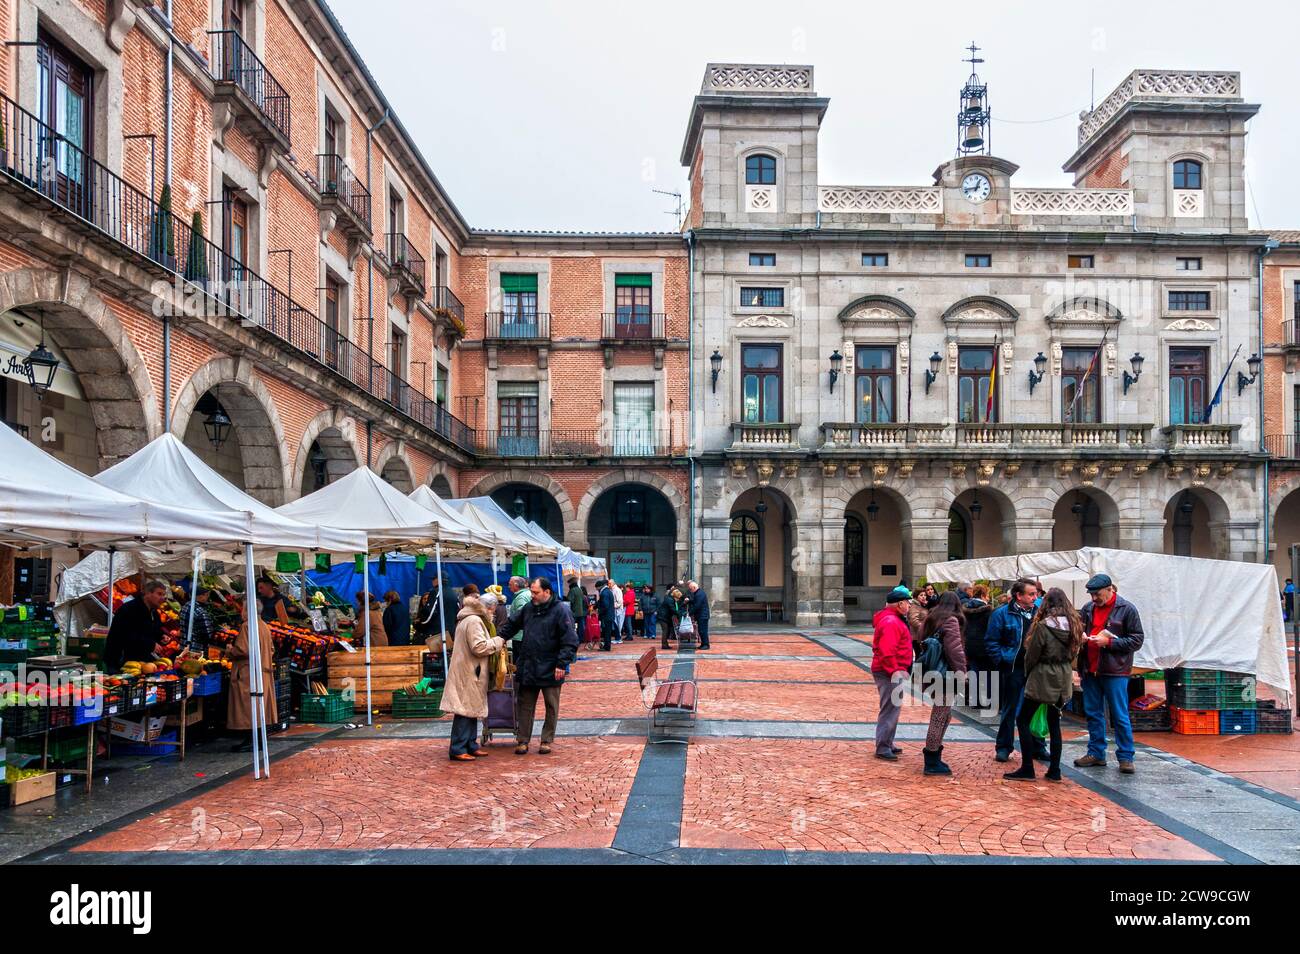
891	661
629	610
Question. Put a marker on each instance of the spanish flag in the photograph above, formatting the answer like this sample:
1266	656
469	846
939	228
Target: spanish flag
993	387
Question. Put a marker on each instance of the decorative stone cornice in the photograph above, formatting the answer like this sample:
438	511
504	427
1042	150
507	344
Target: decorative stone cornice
1160	86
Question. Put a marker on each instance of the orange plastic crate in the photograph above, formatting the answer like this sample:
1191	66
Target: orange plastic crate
1194	721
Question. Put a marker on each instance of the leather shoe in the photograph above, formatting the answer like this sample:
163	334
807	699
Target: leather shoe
521	750
897	750
1002	756
887	756
1088	761
480	753
1127	768
463	757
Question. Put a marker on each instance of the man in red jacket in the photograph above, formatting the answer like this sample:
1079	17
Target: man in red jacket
891	661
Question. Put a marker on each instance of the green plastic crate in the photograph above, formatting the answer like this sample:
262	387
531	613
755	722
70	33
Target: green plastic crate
417	706
69	749
332	707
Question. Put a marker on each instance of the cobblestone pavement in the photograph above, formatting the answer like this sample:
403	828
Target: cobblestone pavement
779	769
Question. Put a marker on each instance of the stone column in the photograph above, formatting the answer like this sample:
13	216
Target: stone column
829	560
1236	540
1147	536
806	541
714	571
929	545
1034	534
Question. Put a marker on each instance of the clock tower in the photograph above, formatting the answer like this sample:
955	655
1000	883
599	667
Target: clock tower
976	185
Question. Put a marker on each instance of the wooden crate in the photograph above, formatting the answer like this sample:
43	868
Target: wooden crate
31	789
391	668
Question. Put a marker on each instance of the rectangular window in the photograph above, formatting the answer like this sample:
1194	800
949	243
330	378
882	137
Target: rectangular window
761	373
1189	301
66	107
1080	261
875	259
979	261
874	371
396	216
634	411
1183	264
632	305
1188	384
332	318
234	235
517	418
441	275
519	305
975	382
397	364
331	145
762	297
1080	390
440	384
762	259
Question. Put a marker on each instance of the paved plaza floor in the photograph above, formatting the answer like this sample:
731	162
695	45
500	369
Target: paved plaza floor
779	769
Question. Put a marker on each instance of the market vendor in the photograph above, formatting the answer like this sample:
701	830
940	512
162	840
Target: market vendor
275	605
378	636
200	634
136	632
239	708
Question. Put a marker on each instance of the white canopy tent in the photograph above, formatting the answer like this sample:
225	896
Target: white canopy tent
569	559
1201	614
426	498
487	513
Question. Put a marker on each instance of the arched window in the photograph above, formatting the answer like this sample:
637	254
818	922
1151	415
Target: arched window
1187	174
744	551
760	170
855	552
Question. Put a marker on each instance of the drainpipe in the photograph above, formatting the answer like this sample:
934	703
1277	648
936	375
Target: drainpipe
167	178
370	283
1269	245
690	400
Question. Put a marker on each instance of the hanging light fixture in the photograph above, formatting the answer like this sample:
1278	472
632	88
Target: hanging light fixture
873	508
217	426
1077	508
975	506
837	365
761	506
1187	504
318	460
41	366
519	504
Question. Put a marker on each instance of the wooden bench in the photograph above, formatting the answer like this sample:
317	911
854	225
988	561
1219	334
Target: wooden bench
679	696
768	608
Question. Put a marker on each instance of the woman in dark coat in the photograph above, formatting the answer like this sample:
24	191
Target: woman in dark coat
397	620
946	623
977	610
1051	650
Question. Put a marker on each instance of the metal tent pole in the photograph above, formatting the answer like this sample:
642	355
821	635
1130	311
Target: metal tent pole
442	609
112	555
365	590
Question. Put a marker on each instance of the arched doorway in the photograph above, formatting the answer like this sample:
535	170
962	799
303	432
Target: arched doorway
441	486
981	523
396	472
877	549
532	503
1190	516
1084	517
329	458
231	432
634	527
1286	531
759	547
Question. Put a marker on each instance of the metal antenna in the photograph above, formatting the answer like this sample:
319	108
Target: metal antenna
678	197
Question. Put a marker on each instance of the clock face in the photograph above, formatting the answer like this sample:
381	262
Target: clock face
976	187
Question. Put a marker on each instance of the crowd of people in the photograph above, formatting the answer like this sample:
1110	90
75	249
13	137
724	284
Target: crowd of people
1023	653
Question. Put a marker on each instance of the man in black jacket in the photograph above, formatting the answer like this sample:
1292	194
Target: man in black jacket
549	645
577	606
1112	634
700	612
137	628
606	611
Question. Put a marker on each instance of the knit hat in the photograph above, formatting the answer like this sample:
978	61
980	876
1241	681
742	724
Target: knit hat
898	594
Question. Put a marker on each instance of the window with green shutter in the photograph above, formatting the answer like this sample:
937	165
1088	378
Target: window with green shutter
519	282
519	305
632	305
632	280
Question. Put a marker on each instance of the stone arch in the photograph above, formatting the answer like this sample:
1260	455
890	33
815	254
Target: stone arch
982	302
1010	525
252	410
1285	523
577	528
112	374
337	434
1206	526
442	480
899	308
394	465
1087	309
539	479
1086	504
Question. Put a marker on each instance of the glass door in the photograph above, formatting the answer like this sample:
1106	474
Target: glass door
634	409
65	110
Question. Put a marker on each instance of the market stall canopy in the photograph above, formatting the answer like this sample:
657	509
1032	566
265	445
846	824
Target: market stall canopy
486	513
1200	614
167	469
47	503
571	560
429	500
362	500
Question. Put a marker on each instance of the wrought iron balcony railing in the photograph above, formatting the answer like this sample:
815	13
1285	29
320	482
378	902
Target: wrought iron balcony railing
529	326
45	164
234	63
594	442
633	326
1284	446
444	299
338	182
409	263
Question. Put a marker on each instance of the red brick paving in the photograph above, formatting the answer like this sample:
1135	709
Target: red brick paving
403	794
795	702
833	796
832	670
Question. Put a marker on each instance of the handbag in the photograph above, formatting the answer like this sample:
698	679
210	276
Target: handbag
931	656
685	627
1038	724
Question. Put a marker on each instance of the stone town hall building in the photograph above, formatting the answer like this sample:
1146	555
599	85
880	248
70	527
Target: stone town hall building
789	399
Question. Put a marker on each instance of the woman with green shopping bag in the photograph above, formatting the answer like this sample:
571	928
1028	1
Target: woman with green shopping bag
1051	647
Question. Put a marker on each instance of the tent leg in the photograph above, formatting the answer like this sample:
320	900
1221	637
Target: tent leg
194	595
252	622
442	610
112	556
365	589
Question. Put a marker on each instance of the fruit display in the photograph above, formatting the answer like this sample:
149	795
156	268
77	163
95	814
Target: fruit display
15	774
122	590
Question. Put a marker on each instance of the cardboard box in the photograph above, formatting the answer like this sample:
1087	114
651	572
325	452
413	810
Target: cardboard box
193	713
31	789
146	730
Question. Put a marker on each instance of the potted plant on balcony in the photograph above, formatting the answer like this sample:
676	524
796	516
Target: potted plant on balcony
196	255
162	245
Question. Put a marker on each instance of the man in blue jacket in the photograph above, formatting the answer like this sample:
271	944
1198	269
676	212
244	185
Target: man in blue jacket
1004	646
605	612
700	611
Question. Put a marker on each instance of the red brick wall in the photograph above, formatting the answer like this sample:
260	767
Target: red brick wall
1108	173
1278	410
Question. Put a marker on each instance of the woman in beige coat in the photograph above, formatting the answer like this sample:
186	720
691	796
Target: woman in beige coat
465	695
239	707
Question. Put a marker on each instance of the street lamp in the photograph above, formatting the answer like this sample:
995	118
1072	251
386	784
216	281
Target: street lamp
932	373
41	366
1253	362
873	508
217	426
976	508
1131	379
715	365
837	363
519	504
318	460
1037	372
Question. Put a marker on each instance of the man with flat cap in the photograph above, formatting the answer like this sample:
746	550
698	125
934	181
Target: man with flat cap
1113	634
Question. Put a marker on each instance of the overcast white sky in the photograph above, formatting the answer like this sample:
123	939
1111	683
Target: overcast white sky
564	115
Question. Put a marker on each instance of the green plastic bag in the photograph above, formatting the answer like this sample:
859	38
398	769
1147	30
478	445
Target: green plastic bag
1038	724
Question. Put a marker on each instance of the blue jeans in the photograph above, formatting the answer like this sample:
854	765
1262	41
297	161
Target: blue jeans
1113	691
464	735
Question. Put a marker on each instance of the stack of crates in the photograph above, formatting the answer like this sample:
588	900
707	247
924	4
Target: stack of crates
27	630
1211	702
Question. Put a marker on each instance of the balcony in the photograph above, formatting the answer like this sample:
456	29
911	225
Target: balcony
590	444
408	266
1078	437
260	105
1290	335
768	436
624	327
448	306
103	208
1202	437
509	327
342	193
1283	446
